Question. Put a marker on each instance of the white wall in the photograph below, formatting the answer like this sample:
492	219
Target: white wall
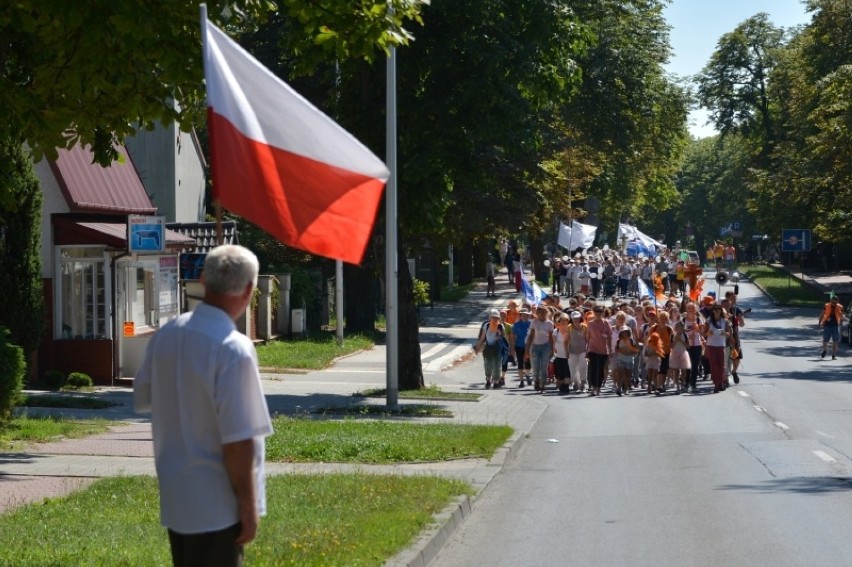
52	202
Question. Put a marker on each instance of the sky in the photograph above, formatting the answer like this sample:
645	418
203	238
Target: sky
697	26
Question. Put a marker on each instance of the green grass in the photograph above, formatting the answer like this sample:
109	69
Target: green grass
315	353
22	430
455	293
785	289
312	520
430	392
405	410
60	401
368	441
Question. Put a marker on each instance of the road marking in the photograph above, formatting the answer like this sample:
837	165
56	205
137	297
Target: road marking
437	348
758	408
743	394
824	434
782	425
824	456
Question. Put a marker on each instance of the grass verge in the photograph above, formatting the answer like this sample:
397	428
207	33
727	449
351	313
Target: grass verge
430	392
22	430
314	353
785	289
406	410
60	401
380	442
455	293
312	520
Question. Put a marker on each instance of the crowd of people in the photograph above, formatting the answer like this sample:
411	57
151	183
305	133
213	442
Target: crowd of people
594	331
632	344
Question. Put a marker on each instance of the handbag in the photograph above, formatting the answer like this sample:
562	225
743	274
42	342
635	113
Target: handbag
735	354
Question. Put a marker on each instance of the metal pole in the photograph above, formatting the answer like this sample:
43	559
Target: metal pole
450	257
338	299
391	267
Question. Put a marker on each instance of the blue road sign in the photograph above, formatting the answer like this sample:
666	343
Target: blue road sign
795	240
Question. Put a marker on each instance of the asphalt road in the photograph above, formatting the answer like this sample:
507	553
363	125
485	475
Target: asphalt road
757	475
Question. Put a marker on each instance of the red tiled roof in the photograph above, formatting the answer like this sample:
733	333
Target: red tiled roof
88	187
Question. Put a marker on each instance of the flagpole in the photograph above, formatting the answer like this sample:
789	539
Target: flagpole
391	268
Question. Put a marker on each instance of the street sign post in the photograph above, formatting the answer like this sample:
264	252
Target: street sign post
795	240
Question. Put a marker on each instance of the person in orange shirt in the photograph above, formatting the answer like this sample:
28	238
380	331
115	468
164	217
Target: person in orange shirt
719	254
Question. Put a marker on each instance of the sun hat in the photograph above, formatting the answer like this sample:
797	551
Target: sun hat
576	315
495	313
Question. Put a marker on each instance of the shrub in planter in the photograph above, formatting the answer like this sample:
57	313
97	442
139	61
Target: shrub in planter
78	380
12	370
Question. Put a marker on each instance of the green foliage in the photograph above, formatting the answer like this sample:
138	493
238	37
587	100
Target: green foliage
12	368
95	72
54	379
421	291
788	98
22	308
78	380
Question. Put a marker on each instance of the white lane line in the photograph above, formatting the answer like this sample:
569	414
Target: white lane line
824	456
437	348
824	434
758	408
782	425
743	394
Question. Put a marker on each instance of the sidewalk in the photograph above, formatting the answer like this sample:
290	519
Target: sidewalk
447	334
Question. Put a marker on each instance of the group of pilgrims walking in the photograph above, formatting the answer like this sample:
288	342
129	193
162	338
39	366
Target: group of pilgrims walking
574	343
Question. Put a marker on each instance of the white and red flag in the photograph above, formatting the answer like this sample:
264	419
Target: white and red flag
281	163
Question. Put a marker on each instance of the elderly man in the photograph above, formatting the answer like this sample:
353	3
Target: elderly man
201	383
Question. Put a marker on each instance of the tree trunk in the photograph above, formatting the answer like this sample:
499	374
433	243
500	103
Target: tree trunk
361	295
410	376
465	267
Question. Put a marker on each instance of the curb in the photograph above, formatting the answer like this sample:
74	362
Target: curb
432	539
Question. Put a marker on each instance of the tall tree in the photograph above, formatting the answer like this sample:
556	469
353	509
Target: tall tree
734	85
22	308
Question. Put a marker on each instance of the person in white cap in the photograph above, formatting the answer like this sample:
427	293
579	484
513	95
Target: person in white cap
489	344
578	342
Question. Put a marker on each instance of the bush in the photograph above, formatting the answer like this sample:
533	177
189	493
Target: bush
78	380
420	291
12	370
54	379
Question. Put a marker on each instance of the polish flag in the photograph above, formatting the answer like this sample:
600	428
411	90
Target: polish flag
281	163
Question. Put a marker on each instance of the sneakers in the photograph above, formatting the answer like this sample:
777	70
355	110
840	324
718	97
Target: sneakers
823	354
737	378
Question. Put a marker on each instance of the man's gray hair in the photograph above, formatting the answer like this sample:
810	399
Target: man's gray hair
229	268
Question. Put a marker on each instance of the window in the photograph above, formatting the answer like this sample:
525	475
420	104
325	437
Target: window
82	290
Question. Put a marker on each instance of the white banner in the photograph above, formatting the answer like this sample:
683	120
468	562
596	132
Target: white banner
578	235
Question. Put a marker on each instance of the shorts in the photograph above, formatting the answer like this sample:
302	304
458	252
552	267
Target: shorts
624	361
831	333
